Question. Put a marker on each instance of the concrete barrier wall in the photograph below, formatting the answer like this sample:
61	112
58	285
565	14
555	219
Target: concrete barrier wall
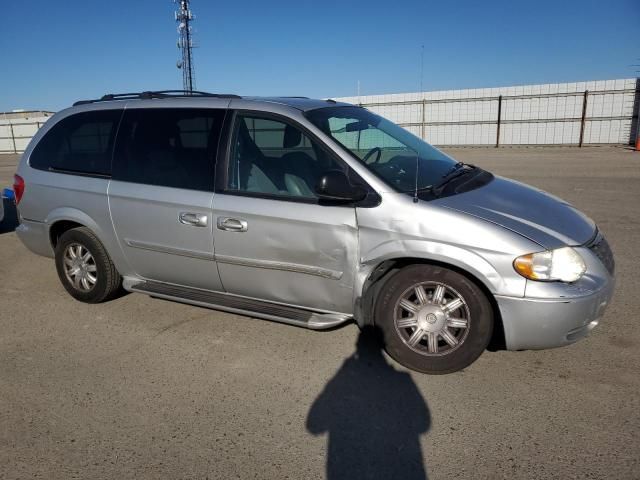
17	129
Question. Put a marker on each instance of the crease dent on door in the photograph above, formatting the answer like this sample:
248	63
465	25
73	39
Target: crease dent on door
302	254
304	247
286	266
324	256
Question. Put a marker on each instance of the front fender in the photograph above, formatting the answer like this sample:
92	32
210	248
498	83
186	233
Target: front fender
378	263
464	259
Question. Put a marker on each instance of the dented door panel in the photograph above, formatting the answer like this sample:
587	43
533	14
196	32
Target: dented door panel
296	253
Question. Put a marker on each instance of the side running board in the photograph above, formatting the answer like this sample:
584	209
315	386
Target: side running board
240	305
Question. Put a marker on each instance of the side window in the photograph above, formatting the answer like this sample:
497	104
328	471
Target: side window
81	143
169	147
275	158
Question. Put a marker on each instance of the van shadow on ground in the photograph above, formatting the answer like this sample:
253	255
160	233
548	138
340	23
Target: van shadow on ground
10	220
373	415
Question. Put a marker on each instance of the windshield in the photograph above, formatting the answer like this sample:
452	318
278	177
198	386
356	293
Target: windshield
399	158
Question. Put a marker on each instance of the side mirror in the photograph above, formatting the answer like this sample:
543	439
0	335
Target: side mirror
335	186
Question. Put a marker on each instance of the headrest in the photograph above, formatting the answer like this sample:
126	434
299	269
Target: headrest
292	137
158	135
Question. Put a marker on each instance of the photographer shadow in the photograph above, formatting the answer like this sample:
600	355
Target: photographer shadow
373	415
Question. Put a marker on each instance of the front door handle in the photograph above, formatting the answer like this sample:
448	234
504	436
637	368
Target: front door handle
193	219
232	224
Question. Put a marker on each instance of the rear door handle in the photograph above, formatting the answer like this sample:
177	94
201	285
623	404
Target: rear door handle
193	219
232	224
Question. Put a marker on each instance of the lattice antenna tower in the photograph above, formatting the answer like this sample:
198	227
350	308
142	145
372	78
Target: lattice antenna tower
184	17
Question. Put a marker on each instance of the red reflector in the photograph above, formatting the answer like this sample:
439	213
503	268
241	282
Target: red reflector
18	187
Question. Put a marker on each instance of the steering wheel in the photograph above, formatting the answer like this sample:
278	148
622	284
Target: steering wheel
370	153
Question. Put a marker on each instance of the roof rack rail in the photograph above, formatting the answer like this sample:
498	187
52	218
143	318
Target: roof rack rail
155	94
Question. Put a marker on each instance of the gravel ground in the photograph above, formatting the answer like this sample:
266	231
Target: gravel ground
143	388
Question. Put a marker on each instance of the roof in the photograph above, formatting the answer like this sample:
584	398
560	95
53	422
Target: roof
300	103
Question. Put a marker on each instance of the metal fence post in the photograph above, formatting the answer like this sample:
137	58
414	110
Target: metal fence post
13	138
499	120
584	117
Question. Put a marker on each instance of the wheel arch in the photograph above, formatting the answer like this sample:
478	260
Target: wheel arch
382	271
58	228
63	219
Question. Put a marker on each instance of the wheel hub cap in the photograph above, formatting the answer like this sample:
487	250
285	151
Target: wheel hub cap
80	267
432	318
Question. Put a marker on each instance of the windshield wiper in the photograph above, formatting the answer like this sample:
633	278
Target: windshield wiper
453	169
458	170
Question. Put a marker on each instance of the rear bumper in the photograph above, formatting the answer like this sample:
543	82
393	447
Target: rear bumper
35	236
537	323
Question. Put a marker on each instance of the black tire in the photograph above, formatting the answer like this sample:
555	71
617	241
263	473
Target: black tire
474	338
108	280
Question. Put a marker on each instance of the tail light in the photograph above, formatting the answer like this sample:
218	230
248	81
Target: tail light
18	187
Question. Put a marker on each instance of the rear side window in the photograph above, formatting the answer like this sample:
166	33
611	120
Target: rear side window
81	143
169	147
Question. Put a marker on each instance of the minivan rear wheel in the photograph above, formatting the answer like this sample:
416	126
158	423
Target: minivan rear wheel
84	266
433	319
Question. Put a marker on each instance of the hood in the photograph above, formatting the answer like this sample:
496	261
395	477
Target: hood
537	215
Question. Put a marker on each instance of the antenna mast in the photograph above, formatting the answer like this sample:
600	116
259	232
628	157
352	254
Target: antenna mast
422	69
184	16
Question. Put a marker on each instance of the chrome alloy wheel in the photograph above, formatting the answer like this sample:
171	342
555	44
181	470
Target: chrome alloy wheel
80	267
432	318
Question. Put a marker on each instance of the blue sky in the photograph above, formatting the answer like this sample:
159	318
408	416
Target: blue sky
54	53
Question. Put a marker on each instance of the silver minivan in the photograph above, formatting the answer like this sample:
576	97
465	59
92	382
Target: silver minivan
309	212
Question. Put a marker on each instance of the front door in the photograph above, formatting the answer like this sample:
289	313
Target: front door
161	193
273	240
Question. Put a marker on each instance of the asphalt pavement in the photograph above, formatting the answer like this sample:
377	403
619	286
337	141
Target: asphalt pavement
144	388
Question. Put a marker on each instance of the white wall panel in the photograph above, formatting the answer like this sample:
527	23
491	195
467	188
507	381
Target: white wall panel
20	130
531	114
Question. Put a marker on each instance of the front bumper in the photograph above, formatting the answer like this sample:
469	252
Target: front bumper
555	314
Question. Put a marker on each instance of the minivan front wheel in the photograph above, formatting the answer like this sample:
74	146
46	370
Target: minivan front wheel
84	266
434	320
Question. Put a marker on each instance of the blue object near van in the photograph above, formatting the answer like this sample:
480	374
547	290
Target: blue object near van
8	193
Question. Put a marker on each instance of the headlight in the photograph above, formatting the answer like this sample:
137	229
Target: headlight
564	264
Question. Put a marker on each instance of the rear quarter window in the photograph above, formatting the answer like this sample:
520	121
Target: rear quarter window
81	143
